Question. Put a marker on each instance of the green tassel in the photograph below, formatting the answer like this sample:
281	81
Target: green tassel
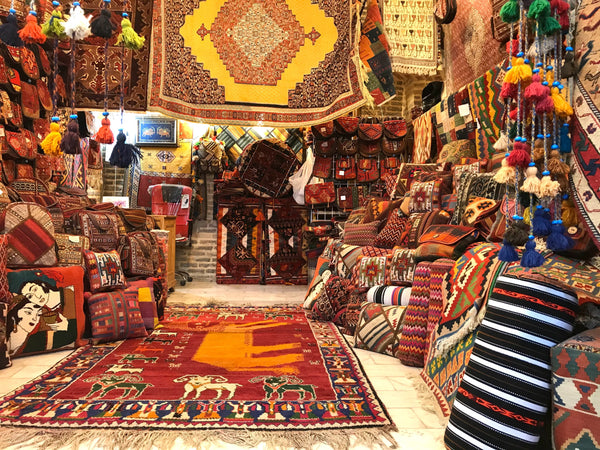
54	28
548	25
128	37
539	8
512	132
509	13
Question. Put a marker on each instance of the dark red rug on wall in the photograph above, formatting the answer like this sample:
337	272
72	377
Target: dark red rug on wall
246	375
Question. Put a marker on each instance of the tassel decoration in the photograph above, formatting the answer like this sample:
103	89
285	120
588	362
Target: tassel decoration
510	12
561	106
538	151
548	187
102	26
123	154
557	240
569	68
128	37
544	47
520	154
569	212
70	141
9	32
556	166
545	105
548	25
512	47
105	134
518	72
506	174
77	26
541	221
565	139
508	91
531	257
536	91
31	33
517	232
508	253
51	143
538	8
54	28
532	182
501	145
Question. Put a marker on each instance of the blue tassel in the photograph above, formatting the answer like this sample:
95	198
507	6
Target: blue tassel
508	253
565	139
558	241
541	221
531	257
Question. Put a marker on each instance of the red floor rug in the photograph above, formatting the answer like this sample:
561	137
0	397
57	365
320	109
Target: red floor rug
241	375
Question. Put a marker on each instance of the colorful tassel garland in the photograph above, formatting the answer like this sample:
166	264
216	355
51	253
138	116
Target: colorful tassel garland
510	12
506	174
545	105
508	253
9	32
501	145
531	257
102	26
548	187
128	37
105	134
541	221
532	182
548	25
54	28
565	139
509	91
77	26
70	141
31	33
517	232
561	106
51	143
519	72
557	241
536	91
520	155
123	154
538	8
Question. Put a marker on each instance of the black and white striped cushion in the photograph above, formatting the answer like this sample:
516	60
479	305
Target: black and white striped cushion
505	395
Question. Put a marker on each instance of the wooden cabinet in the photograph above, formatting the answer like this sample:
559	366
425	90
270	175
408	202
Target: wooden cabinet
168	223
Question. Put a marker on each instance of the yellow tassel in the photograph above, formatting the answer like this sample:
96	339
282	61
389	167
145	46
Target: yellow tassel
550	77
569	213
548	187
51	143
561	106
128	37
506	174
519	72
527	216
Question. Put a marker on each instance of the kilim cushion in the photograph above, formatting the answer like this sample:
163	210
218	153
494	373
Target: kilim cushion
576	383
316	290
361	234
379	328
344	259
440	269
478	209
389	295
504	398
454	151
357	215
394	231
4	356
70	249
5	294
322	266
459	169
371	271
425	196
104	270
331	300
146	300
402	266
475	185
115	315
46	310
412	346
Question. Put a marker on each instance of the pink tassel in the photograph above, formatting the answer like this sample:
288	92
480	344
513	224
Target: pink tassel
546	105
515	47
509	90
520	155
536	91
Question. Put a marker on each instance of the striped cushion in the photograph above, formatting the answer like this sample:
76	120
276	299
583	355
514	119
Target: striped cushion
379	328
412	348
361	233
505	394
389	295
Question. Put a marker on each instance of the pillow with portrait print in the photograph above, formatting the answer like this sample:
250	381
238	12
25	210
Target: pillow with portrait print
104	270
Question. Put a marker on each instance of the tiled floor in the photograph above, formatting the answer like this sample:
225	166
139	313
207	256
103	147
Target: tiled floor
398	386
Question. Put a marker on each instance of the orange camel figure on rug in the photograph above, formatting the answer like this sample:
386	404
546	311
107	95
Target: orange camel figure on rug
231	347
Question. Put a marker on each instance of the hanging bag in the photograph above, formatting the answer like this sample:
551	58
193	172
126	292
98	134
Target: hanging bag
394	131
345	168
323	139
367	170
370	132
101	228
139	254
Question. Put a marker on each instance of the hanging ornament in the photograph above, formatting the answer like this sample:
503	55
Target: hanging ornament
77	26
51	143
54	26
102	25
31	33
9	32
128	37
124	154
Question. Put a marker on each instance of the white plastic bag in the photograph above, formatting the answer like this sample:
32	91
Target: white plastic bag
300	179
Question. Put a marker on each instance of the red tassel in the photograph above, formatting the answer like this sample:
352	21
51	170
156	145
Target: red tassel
545	105
559	6
105	134
31	33
536	91
513	113
519	156
509	90
515	47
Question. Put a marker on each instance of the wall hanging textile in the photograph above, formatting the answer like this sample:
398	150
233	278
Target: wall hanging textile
274	63
235	139
422	145
412	33
168	159
586	122
89	60
207	386
470	49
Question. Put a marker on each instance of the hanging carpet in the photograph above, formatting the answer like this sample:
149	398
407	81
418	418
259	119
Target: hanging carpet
138	182
89	60
585	128
249	62
240	375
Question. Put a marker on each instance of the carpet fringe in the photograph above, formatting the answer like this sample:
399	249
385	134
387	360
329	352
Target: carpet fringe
107	438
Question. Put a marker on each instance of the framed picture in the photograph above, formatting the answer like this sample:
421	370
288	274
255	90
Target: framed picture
156	131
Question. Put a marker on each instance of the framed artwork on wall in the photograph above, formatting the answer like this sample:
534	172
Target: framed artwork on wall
156	131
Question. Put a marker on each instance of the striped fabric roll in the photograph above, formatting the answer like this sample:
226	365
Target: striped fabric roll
389	295
412	347
439	270
505	395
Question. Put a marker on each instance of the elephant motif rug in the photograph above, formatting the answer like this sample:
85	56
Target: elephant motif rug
255	63
244	374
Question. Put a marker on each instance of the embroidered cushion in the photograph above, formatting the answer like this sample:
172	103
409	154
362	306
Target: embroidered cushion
356	215
454	151
104	270
425	196
475	185
459	169
394	231
389	295
506	391
402	266
379	328
146	300
331	302
115	315
317	280
361	234
371	271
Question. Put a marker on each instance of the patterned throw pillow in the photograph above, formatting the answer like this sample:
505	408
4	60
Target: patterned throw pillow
115	315
475	185
322	267
459	169
371	271
147	303
454	151
425	196
478	209
402	266
379	328
104	270
394	231
389	295
5	294
361	234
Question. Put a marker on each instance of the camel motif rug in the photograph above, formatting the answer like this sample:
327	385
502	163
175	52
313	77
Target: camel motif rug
257	63
205	372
